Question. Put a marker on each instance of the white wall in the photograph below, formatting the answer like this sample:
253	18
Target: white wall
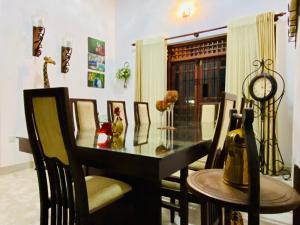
296	122
137	19
119	23
19	69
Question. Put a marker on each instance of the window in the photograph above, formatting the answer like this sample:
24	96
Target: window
197	70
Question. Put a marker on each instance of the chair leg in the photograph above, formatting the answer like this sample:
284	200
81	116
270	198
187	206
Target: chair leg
172	211
227	216
44	214
183	201
203	214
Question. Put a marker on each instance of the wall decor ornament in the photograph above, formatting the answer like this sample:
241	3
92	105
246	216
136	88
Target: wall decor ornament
47	60
38	35
66	52
124	73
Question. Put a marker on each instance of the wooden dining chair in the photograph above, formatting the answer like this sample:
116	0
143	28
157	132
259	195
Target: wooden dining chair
111	106
245	103
72	198
171	186
141	113
208	112
263	195
86	113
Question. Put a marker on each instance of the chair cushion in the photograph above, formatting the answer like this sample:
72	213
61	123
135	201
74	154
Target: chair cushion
103	191
199	164
86	115
173	184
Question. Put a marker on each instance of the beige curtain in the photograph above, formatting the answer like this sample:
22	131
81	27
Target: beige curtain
138	70
151	75
242	50
266	41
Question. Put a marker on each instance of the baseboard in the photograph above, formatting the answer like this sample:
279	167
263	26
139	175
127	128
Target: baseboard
13	168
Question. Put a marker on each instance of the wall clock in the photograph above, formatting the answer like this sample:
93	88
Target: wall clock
263	87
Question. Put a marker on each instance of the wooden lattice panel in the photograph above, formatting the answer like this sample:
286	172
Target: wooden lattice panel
197	49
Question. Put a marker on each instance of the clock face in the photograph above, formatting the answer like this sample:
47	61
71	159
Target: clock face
263	87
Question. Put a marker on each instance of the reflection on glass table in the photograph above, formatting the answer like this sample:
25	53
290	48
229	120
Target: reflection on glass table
143	140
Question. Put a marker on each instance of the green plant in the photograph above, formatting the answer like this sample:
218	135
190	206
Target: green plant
124	73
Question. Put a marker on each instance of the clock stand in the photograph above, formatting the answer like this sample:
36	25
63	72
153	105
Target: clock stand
263	87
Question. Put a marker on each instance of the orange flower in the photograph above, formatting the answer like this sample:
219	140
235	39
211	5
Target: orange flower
161	105
171	96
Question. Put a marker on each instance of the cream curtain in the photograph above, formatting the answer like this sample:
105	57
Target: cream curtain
151	74
242	50
266	41
138	70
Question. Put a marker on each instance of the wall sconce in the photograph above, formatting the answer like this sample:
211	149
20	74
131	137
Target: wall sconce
186	9
38	35
66	52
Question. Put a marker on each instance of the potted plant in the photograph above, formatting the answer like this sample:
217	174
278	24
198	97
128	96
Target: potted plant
124	73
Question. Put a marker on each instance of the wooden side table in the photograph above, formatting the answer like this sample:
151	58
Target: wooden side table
275	196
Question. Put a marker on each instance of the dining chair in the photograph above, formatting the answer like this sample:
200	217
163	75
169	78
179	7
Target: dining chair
141	113
171	185
86	113
208	112
245	103
141	134
111	106
72	198
263	195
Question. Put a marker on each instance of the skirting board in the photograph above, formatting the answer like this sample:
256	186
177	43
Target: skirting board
13	168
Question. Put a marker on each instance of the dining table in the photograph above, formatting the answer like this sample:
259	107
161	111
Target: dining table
144	153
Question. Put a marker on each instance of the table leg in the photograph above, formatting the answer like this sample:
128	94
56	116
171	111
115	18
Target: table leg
148	203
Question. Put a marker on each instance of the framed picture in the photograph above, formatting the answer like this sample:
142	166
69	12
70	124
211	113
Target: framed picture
96	54
96	79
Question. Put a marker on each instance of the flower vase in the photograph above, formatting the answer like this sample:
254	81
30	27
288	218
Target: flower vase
161	120
172	115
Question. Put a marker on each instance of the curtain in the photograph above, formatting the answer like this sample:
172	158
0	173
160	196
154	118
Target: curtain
242	50
151	74
266	41
138	70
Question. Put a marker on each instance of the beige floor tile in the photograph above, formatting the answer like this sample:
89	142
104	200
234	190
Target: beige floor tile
19	203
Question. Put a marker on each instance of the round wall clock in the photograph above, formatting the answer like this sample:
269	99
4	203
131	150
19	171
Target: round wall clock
263	87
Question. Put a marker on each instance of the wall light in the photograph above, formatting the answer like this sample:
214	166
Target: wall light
186	9
38	35
66	52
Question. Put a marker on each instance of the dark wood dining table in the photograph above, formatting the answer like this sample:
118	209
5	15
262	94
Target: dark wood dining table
146	154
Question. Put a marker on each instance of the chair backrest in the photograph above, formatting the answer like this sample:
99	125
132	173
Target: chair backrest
111	106
208	112
141	113
141	134
228	102
86	113
253	167
245	103
50	131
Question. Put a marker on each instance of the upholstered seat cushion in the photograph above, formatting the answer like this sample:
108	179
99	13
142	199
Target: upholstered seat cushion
172	184
199	164
102	191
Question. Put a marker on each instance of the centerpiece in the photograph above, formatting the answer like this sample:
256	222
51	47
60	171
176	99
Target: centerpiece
161	106
171	97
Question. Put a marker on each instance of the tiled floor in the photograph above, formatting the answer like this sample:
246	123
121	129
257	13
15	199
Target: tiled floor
19	203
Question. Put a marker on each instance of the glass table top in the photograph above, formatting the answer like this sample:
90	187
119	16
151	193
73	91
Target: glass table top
146	140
